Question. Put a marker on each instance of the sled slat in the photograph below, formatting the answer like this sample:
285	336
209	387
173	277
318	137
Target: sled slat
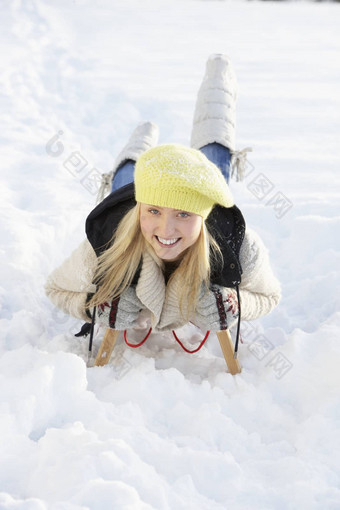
106	347
227	347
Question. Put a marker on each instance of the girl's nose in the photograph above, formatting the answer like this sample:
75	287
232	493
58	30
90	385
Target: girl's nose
167	228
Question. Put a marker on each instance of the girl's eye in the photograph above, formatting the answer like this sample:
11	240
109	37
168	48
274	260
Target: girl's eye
154	211
183	215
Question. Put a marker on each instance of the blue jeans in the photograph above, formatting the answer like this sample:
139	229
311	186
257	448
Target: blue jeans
215	152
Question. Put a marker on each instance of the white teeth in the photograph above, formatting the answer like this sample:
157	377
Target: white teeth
167	241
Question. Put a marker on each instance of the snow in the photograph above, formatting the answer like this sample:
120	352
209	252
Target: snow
158	428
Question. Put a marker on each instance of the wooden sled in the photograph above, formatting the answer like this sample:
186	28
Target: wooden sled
111	335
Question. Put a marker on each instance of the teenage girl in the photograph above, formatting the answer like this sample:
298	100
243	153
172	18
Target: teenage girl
168	244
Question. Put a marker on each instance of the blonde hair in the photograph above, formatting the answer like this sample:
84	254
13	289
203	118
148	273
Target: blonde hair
118	264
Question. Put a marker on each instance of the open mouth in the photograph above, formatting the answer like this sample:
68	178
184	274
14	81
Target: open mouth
168	242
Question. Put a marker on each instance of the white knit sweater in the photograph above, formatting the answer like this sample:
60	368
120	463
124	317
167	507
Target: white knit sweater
68	285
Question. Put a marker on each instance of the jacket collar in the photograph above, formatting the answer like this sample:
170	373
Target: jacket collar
160	299
150	288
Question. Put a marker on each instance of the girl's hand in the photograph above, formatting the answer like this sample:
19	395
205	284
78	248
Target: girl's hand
121	313
217	309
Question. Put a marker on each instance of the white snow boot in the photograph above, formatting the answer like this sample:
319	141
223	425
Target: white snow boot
214	117
144	137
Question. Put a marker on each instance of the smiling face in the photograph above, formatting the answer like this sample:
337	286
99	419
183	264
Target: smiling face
169	231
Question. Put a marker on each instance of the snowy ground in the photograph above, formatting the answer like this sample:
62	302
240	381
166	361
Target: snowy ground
158	428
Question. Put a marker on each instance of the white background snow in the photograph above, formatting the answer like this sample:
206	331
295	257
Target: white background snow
158	428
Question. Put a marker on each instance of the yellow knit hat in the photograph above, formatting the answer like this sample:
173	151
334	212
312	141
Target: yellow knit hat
176	176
